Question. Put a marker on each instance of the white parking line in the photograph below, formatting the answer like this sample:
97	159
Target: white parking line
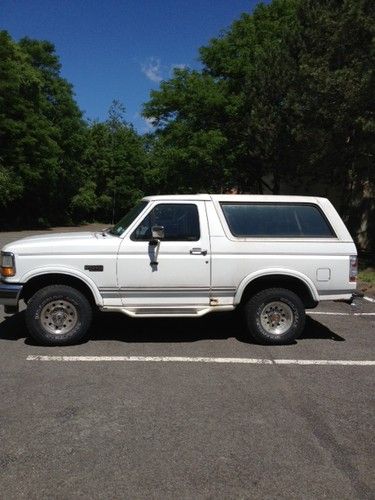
369	299
183	359
329	313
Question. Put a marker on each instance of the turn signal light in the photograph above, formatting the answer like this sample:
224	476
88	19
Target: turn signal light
8	266
7	272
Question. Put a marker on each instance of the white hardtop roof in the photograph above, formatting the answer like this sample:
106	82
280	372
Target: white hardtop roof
235	197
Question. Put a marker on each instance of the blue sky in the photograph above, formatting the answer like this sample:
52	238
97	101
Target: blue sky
121	49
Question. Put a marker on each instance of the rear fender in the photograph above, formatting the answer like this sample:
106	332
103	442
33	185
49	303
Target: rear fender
275	271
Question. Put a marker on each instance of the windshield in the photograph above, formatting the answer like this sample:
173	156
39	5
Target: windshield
125	222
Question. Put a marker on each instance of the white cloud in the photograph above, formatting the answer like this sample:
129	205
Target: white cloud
152	69
150	122
142	124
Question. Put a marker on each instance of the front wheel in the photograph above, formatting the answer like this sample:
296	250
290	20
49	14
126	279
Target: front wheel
275	316
58	315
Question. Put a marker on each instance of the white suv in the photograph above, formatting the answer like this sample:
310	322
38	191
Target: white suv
185	256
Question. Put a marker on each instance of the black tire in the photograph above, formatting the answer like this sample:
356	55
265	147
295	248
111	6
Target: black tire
71	309
290	315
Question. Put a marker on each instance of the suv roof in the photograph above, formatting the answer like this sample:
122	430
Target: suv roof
235	197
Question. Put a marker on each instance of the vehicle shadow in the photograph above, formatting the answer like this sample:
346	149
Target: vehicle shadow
118	327
13	327
219	326
316	330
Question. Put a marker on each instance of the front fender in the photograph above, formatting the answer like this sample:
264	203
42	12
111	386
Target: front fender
67	271
275	271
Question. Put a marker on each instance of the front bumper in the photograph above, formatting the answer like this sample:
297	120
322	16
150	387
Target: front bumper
10	294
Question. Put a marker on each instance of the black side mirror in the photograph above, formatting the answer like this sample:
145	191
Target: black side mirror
157	232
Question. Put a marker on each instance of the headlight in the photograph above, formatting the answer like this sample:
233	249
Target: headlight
8	266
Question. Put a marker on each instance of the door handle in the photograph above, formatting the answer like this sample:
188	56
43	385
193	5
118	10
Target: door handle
198	251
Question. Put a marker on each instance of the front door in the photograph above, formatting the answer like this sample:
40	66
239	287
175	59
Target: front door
177	271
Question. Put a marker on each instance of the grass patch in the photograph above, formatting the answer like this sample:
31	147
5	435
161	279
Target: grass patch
367	276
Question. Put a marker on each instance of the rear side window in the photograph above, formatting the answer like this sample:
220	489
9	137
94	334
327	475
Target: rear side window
180	222
281	220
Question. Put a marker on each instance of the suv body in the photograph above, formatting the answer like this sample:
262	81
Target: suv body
187	255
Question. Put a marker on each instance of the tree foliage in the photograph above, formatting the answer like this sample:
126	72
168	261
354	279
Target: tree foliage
283	103
114	168
41	133
287	93
55	167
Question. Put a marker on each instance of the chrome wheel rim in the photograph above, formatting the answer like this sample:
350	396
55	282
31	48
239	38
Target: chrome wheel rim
59	317
276	317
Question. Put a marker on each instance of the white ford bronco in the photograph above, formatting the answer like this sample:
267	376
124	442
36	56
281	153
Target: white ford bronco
186	256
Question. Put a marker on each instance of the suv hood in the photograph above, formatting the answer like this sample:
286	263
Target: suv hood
62	243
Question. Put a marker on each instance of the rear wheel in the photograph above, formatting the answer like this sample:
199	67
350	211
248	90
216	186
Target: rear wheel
58	315
275	316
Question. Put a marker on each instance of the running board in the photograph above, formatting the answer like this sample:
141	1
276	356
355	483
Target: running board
167	312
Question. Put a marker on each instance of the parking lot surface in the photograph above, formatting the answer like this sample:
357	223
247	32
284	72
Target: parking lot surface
154	408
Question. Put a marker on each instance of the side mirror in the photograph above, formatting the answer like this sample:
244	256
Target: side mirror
157	232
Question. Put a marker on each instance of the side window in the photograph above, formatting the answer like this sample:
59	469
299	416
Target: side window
278	220
180	222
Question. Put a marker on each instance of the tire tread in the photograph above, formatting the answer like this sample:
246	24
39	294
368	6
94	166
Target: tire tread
269	294
35	304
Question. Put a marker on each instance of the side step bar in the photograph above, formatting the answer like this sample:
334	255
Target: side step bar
170	311
167	312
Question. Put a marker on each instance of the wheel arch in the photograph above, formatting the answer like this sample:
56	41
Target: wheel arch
280	278
42	277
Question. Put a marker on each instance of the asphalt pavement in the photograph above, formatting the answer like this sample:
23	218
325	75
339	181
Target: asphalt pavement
119	417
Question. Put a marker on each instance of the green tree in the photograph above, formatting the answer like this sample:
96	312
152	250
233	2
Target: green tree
288	89
114	167
237	97
41	134
187	153
22	129
332	99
